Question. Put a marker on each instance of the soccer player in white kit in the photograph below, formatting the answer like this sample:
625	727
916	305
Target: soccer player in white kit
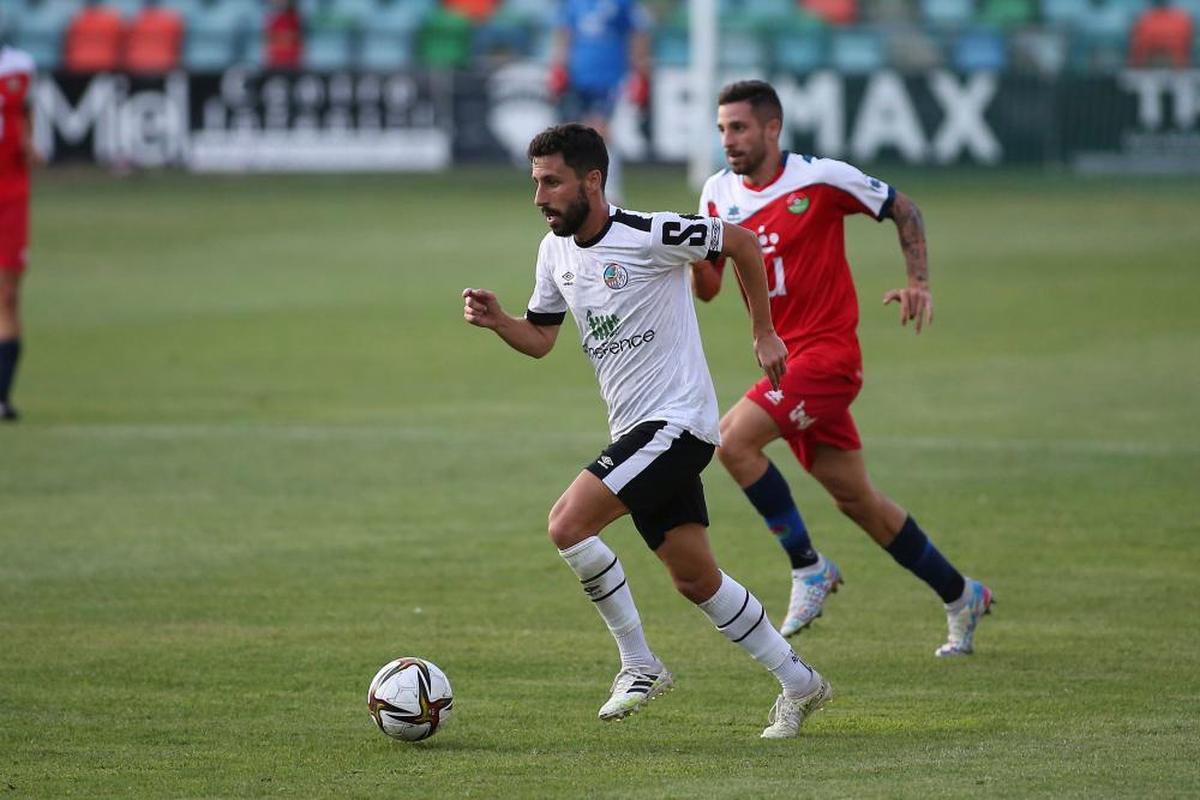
625	278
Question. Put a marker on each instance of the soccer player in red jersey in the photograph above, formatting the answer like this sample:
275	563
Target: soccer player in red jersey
796	205
16	157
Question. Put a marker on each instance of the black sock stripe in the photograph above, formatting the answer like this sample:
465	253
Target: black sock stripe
738	614
761	616
618	586
601	572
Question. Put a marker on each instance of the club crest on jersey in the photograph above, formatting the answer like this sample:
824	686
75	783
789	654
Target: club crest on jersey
615	276
797	202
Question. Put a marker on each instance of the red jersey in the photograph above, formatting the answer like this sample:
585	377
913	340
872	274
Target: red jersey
16	74
798	219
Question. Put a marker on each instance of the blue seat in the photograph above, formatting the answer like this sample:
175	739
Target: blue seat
946	13
39	30
1065	13
800	50
980	50
856	51
741	47
213	34
387	38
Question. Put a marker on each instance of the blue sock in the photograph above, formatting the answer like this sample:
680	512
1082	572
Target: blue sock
912	550
10	354
772	498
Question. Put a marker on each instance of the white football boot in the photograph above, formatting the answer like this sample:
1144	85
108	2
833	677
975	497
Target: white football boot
810	587
789	713
634	688
963	617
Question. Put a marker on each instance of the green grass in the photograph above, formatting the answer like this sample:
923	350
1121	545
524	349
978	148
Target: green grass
263	455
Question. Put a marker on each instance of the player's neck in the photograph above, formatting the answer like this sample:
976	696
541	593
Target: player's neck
766	174
593	226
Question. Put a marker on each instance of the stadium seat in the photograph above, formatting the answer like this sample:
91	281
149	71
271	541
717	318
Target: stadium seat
1040	52
539	13
39	29
212	36
856	51
800	47
93	40
444	41
1102	38
387	41
835	12
330	37
1065	13
153	44
946	13
500	38
913	48
1008	13
741	46
979	50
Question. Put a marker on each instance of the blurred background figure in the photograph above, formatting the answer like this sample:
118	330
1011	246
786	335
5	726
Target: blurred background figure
284	36
94	39
600	47
16	157
154	40
1162	37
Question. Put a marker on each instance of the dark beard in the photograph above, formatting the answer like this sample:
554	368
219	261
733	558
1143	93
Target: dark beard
573	216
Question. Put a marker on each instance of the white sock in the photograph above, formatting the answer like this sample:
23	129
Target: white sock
603	580
738	614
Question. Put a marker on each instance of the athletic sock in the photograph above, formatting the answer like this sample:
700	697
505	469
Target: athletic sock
10	354
603	580
912	550
772	498
738	614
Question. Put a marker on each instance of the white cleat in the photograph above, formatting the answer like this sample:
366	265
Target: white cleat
789	713
810	587
634	688
962	621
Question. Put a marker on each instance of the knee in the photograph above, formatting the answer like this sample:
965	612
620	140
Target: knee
858	507
735	453
564	531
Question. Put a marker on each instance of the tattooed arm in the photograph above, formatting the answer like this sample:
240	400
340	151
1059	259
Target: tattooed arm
916	302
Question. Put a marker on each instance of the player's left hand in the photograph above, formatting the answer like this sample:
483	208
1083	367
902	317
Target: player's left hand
772	356
916	303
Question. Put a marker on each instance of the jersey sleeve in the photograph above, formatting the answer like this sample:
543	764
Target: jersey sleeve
546	306
680	239
859	192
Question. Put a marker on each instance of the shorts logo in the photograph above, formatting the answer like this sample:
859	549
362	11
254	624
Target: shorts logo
802	420
797	202
615	276
775	396
605	462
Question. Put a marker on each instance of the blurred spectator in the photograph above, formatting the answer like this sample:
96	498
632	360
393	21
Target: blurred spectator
284	32
154	40
94	39
1162	36
601	46
475	10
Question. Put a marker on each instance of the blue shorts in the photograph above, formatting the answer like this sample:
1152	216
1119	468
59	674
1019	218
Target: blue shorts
583	102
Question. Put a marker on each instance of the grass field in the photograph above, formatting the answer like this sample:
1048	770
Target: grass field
262	455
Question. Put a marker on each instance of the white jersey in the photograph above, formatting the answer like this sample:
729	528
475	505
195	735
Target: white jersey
629	290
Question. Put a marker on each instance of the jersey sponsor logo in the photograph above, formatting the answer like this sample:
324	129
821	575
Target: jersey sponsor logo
602	326
614	347
797	415
615	276
797	202
773	262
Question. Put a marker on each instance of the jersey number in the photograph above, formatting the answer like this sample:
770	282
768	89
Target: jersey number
776	288
694	235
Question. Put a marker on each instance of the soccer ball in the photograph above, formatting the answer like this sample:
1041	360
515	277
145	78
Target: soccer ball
410	699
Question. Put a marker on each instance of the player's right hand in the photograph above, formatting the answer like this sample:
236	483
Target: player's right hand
480	307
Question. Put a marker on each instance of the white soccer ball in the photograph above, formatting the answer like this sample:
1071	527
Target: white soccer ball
410	699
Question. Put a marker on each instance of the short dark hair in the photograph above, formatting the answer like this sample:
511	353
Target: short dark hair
759	94
582	148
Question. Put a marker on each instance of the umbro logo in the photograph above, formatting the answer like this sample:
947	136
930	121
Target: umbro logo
606	462
568	278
